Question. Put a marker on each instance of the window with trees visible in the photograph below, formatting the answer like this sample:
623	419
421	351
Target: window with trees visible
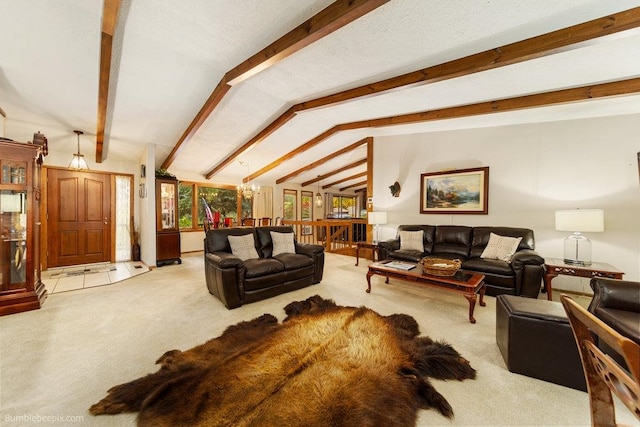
344	206
290	206
306	210
193	196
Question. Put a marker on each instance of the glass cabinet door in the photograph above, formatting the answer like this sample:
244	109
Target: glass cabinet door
168	205
13	240
14	172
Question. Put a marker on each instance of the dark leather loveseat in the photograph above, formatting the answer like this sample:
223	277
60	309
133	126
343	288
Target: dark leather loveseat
236	282
522	275
617	303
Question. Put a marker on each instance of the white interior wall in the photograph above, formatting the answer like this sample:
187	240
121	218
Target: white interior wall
535	169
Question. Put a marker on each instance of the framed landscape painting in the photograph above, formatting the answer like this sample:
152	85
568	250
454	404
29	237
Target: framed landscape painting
464	191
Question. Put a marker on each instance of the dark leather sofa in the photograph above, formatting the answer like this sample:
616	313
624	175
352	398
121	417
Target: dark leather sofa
521	276
617	303
236	282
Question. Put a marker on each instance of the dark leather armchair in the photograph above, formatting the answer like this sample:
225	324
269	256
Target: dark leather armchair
617	303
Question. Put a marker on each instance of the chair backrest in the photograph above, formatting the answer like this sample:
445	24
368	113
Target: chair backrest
249	221
278	221
602	372
265	221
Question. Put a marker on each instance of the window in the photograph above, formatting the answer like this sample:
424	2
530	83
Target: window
306	210
290	209
222	199
343	206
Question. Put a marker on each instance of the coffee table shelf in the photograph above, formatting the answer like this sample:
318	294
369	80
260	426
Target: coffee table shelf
469	284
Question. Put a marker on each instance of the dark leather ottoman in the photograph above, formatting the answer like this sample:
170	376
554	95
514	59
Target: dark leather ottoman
535	339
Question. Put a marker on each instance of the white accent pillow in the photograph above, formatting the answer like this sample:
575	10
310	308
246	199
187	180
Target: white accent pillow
243	247
412	240
501	247
282	243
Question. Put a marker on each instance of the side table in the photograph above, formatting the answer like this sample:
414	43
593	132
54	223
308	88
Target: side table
556	266
366	245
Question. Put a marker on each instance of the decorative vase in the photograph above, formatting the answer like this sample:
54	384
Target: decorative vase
135	252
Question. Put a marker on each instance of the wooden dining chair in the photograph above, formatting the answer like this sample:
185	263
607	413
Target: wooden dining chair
603	374
249	222
265	221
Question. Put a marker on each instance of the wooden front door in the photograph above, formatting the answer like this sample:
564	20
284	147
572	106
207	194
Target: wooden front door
78	217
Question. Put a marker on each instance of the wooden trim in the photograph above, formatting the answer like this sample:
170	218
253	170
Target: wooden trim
349	178
562	40
333	172
583	93
109	19
369	176
358	184
323	160
330	19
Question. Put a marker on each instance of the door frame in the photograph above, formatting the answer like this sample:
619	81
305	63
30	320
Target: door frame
44	205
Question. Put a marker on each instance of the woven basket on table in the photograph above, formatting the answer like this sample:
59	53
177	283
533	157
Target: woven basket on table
440	266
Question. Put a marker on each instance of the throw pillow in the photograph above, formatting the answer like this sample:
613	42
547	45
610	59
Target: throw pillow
243	247
501	247
282	243
412	240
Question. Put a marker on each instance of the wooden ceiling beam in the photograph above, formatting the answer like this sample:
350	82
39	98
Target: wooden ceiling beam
323	160
583	93
349	178
358	184
110	11
562	40
325	22
333	172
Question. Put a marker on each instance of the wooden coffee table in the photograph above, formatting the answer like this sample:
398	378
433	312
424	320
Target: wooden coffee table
466	283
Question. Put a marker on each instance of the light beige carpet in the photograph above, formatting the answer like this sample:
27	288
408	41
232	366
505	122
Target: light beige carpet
57	361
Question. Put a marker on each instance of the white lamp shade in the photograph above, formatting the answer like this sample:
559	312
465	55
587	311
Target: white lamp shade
377	218
583	220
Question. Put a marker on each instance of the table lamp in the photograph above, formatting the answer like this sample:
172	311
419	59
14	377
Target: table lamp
376	218
577	247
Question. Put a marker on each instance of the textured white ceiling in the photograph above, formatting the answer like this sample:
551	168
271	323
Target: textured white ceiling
169	56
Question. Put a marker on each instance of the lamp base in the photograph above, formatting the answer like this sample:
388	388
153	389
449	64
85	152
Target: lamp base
577	250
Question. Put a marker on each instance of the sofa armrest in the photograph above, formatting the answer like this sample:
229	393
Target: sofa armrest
309	249
526	257
223	259
388	246
615	294
528	268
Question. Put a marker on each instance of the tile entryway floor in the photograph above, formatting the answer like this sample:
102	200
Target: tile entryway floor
90	275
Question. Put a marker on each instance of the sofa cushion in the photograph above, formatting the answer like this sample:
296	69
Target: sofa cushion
481	238
413	256
501	247
262	267
293	261
490	266
411	240
452	239
244	247
282	243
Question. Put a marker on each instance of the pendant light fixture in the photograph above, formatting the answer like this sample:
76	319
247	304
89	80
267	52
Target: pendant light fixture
78	162
318	195
248	190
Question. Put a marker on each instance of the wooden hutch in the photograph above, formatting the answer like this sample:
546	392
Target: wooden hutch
21	287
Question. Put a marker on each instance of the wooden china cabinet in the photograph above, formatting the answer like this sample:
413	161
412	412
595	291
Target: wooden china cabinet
21	287
167	227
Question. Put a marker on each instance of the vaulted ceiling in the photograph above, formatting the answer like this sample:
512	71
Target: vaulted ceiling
291	90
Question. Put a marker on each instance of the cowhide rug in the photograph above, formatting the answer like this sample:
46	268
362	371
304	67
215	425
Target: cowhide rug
325	365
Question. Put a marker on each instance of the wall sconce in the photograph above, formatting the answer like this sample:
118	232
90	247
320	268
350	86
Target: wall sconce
142	191
577	247
78	162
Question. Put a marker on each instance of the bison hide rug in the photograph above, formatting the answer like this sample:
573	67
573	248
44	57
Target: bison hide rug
324	365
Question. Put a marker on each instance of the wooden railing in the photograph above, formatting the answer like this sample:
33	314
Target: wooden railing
336	235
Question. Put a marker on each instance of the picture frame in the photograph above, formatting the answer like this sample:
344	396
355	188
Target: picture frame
464	191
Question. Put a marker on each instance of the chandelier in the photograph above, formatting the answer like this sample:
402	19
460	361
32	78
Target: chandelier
248	190
318	195
78	162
